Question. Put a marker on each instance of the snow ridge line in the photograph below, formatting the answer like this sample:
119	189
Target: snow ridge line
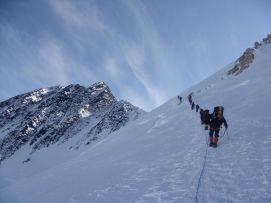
202	172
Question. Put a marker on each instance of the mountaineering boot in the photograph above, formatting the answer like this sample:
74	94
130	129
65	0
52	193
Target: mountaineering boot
211	141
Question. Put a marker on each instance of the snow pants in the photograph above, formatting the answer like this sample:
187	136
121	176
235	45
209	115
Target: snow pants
212	131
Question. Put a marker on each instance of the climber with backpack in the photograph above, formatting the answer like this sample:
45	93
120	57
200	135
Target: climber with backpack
206	118
217	119
197	108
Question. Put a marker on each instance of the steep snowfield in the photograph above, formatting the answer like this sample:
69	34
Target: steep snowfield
163	156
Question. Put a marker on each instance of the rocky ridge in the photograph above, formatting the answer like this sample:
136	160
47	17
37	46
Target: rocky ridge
247	57
53	115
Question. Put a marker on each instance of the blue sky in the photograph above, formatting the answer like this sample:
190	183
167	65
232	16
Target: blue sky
146	51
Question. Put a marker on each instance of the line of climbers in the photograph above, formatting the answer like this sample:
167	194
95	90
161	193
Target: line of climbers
213	121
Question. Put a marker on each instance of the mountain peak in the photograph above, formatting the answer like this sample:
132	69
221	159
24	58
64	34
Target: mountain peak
50	115
99	85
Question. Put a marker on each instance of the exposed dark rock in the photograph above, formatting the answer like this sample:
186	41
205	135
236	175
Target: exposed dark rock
47	116
257	45
247	58
242	62
267	40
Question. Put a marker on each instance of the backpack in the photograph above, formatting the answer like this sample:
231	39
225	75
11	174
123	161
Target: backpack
218	112
206	116
217	117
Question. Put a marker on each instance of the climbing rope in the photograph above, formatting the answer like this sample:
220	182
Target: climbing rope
206	151
205	135
202	169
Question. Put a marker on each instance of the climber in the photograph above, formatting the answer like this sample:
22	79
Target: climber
217	119
180	99
190	97
197	108
201	112
206	118
192	105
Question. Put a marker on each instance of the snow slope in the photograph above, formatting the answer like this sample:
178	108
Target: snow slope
163	156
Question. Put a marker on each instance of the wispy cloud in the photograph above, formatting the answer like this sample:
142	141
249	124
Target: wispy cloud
35	63
79	15
54	62
134	56
60	67
148	58
112	69
136	98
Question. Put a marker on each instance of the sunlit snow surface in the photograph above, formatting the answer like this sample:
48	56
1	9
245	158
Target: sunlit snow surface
159	157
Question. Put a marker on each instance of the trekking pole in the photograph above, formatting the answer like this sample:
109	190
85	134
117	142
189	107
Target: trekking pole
223	134
228	134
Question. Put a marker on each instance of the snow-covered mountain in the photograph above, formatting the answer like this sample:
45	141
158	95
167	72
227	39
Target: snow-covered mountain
164	156
54	115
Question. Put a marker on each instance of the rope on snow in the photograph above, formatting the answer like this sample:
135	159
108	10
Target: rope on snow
202	171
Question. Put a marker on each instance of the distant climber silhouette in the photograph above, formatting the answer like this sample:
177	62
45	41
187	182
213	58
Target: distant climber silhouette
180	99
192	105
197	108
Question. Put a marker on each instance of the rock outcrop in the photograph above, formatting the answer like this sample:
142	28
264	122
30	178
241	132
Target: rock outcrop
247	58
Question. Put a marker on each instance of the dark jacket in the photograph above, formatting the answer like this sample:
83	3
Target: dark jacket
201	112
217	122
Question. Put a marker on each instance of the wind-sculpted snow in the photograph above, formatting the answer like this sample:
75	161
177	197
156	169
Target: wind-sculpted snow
163	156
46	116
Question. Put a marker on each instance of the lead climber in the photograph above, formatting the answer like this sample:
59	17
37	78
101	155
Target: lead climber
217	119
